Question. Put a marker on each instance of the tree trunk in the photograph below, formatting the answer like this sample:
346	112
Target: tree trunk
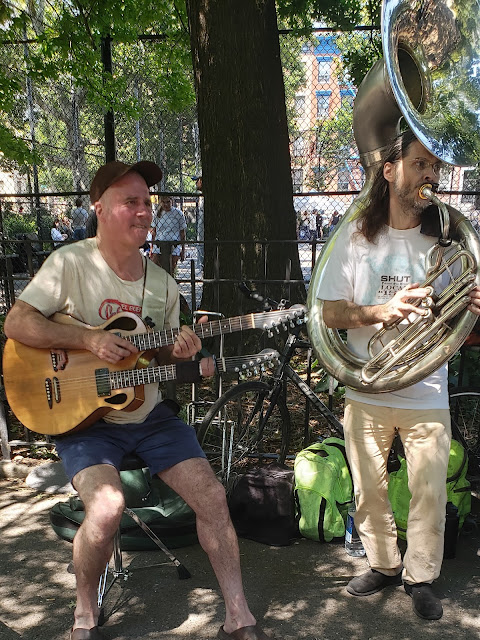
244	144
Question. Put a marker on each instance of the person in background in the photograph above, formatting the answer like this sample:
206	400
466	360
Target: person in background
66	226
333	222
56	234
371	280
304	226
79	221
168	225
319	224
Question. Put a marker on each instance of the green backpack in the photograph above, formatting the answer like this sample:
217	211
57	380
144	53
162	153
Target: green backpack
323	490
458	488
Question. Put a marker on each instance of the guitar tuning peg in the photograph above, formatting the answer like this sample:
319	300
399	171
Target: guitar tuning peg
277	330
255	371
269	333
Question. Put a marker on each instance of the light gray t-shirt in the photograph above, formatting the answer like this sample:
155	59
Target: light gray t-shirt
75	280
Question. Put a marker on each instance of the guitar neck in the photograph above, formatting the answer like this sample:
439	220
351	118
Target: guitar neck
264	321
164	373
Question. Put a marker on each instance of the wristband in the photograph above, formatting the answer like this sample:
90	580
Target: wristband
188	371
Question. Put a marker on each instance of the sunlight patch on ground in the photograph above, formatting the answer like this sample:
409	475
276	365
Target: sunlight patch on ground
286	611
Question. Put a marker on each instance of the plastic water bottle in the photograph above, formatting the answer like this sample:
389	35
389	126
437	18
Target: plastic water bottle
353	544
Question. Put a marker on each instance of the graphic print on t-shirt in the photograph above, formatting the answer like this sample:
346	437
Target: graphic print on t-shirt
389	285
389	275
110	308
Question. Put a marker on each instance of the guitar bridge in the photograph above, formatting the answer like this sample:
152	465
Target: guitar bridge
102	379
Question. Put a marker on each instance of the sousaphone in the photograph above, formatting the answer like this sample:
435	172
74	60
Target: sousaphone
430	76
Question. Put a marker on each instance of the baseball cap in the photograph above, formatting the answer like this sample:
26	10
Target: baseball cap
195	178
109	173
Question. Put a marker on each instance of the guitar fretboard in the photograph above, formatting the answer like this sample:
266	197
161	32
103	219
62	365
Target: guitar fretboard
264	321
164	373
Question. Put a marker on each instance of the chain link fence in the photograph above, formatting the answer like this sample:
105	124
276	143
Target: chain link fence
69	136
39	202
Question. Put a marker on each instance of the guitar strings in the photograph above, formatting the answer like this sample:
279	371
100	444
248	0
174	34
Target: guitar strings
160	373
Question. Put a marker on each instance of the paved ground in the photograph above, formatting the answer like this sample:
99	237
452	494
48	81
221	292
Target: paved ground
298	592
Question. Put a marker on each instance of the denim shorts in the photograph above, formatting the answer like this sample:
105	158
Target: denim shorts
162	441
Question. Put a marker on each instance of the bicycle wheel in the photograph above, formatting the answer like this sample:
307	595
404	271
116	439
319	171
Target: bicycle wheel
465	414
243	426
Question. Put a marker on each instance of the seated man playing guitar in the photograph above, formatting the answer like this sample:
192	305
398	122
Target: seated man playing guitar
92	280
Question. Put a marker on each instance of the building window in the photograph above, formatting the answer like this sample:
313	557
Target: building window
297	178
300	105
347	98
307	47
323	101
324	68
298	147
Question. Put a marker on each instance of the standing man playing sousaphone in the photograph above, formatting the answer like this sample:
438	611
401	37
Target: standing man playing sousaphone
371	278
92	280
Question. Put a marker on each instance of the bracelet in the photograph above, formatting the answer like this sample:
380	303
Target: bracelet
188	371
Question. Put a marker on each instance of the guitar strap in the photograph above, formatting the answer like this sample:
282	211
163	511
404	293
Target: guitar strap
155	290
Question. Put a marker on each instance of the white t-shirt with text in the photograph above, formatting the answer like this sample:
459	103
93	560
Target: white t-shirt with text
369	274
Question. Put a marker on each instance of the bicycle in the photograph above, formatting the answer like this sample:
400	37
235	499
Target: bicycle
251	421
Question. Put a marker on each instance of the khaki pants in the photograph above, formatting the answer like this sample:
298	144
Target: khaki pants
426	434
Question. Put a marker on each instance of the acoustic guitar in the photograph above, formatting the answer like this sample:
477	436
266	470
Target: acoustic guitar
50	400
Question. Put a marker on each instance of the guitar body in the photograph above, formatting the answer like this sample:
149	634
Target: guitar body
55	402
52	400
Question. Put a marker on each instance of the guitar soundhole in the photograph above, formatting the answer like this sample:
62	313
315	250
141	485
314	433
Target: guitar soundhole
118	399
124	323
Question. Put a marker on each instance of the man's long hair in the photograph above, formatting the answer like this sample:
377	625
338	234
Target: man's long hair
375	214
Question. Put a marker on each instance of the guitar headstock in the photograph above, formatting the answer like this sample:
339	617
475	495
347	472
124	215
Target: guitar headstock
282	319
250	365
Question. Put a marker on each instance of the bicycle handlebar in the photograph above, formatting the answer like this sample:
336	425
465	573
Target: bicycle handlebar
268	304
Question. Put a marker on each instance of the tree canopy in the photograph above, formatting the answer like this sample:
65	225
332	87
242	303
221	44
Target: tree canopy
60	41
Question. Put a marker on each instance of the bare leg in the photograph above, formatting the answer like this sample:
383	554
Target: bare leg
195	481
100	489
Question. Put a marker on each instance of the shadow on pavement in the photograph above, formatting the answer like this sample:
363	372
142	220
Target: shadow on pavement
296	592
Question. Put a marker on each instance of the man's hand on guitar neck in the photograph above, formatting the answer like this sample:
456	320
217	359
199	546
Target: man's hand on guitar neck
187	344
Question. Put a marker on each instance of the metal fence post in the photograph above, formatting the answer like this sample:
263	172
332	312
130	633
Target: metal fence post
109	118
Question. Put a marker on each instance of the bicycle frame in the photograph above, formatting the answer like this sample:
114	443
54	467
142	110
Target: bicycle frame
284	371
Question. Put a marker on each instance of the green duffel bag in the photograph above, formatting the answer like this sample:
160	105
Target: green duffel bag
458	488
323	490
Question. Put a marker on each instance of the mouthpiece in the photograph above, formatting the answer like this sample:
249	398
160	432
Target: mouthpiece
425	192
